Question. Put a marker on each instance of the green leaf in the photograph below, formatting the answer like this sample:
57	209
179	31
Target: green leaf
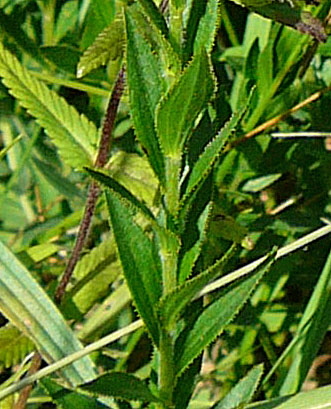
29	308
155	16
212	321
120	385
68	399
108	46
243	391
185	101
73	134
121	191
257	184
14	346
66	20
172	305
144	76
201	27
312	328
93	275
141	265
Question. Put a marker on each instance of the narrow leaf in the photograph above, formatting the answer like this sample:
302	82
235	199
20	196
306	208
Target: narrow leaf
243	391
121	191
73	134
216	316
120	385
144	76
155	16
29	308
179	109
139	259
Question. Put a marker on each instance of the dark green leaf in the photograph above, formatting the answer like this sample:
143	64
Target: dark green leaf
120	385
140	262
216	316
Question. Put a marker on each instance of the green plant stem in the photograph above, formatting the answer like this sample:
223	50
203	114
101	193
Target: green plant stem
269	94
166	372
173	167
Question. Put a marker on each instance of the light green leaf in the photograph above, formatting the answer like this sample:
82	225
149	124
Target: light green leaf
93	274
212	321
140	262
185	101
260	183
73	134
120	385
29	308
144	76
243	391
14	346
108	46
66	20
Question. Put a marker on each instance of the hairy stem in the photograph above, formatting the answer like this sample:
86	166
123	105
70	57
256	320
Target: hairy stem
93	191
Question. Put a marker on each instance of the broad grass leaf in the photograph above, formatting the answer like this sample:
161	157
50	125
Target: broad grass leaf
120	385
29	308
140	262
73	134
14	345
144	76
181	106
212	321
108	46
243	391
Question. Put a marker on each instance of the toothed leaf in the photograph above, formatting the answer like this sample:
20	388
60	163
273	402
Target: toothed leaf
139	259
212	321
108	46
72	133
14	346
186	99
120	385
144	76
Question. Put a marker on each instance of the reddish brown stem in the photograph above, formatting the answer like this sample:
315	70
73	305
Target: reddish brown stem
93	192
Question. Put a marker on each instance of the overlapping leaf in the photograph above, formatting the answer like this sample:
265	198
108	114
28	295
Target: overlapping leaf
72	133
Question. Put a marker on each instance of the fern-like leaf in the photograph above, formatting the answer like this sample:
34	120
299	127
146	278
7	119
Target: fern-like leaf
72	133
108	46
14	345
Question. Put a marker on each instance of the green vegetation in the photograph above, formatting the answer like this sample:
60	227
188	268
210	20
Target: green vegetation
164	204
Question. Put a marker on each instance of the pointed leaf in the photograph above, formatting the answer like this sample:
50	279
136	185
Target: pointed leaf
140	262
121	191
155	15
29	308
73	134
144	76
216	316
243	391
120	385
179	109
108	46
